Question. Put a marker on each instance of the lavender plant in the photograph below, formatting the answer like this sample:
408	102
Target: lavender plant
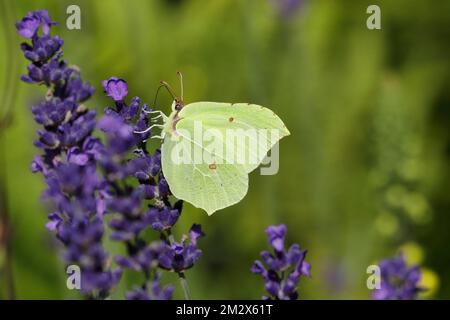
69	155
283	268
398	280
87	179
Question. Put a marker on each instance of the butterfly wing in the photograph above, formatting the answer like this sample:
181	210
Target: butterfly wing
220	177
260	128
207	186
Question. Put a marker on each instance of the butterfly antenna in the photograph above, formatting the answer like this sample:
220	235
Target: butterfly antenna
180	75
157	93
164	84
169	89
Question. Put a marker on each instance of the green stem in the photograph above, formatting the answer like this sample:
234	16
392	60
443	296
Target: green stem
184	285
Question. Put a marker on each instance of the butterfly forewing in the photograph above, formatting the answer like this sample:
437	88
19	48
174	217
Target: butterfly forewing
243	133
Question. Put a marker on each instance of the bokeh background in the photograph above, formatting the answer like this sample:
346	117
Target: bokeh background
363	175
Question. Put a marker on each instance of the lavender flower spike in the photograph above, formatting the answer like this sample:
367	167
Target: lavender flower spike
398	281
69	155
145	206
283	268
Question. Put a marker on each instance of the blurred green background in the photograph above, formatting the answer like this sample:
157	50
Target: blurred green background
363	175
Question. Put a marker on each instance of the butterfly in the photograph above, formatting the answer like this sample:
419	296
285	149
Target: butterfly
209	148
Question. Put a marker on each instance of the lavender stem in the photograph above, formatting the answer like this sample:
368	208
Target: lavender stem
184	285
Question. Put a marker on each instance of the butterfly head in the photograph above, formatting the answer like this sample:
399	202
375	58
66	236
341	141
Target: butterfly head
178	104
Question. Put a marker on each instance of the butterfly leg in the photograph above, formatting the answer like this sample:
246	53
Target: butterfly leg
154	111
161	136
156	118
159	114
150	128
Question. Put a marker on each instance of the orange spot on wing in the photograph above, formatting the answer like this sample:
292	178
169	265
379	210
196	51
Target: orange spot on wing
212	166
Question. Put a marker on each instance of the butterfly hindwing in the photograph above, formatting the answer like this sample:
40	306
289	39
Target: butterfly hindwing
208	186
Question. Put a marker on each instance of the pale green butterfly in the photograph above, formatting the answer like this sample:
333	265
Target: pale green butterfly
214	176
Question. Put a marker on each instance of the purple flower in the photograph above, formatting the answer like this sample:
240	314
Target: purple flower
38	165
29	25
54	112
284	269
120	134
180	256
76	156
142	257
195	233
54	221
42	48
76	89
162	219
51	71
142	124
100	282
115	88
148	167
398	281
82	238
276	236
126	112
155	292
74	132
47	140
